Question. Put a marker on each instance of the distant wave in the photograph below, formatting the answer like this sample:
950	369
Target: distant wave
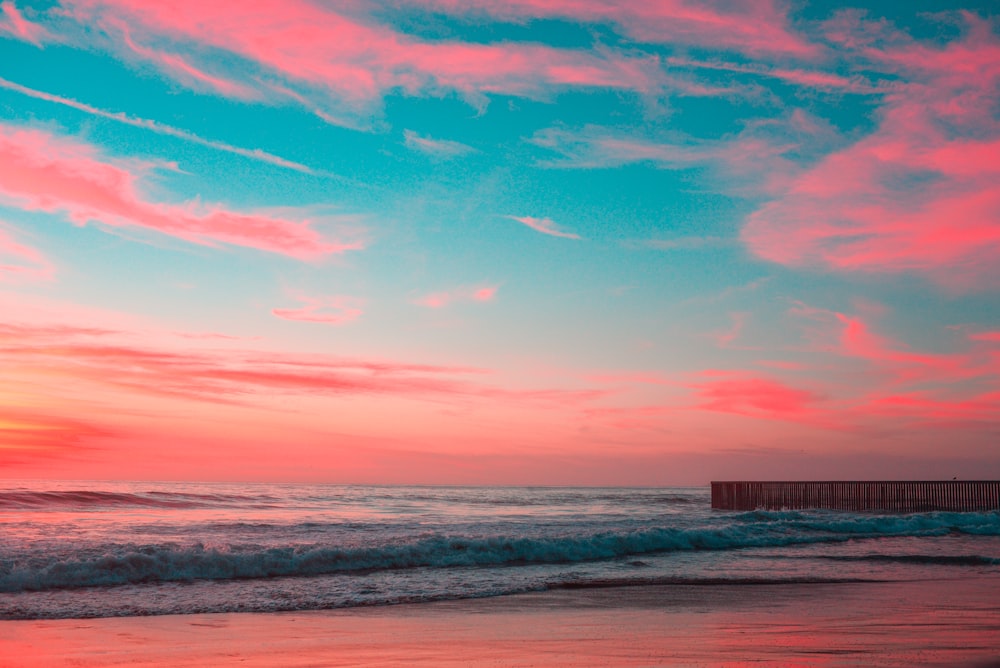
528	497
41	500
141	564
613	583
913	524
560	499
938	559
25	500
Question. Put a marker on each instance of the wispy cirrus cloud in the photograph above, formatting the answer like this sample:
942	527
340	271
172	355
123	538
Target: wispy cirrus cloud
482	293
816	79
115	360
442	148
758	160
13	23
749	27
41	171
336	62
906	366
332	310
545	226
889	360
179	68
157	127
19	262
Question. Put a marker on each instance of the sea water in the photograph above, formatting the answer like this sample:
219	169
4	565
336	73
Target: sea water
74	549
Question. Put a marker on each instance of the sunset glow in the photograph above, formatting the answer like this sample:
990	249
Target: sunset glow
498	241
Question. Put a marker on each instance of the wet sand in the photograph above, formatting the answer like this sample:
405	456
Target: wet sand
940	623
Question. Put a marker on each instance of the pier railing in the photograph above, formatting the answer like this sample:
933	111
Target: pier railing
903	496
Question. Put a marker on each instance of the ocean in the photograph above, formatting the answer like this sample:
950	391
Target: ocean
114	549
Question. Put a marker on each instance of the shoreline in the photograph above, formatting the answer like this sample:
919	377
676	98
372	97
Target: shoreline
936	623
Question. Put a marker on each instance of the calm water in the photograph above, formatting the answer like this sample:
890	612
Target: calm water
112	549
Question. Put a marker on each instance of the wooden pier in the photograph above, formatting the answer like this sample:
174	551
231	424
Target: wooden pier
891	496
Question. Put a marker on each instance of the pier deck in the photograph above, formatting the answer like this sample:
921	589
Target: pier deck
903	496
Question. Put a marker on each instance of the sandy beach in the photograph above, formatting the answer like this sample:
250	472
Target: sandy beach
943	623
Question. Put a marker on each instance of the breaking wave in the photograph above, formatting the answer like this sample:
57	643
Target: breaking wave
131	564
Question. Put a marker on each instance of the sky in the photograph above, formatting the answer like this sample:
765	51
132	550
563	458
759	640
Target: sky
544	242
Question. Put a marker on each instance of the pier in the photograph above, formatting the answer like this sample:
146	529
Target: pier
892	496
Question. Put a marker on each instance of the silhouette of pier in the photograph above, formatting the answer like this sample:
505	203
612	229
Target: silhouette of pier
894	496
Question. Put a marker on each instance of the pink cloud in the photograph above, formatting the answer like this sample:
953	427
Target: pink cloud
935	412
931	389
333	59
756	396
188	74
545	226
335	310
748	27
436	147
858	341
852	337
22	263
466	294
993	337
40	171
13	23
920	193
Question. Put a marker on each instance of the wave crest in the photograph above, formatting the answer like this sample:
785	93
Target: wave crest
130	564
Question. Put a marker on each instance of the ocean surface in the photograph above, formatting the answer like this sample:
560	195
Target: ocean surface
97	549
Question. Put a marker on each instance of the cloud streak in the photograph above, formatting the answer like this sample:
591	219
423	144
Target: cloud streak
748	27
754	160
545	226
19	263
336	63
225	376
14	24
157	127
334	310
40	171
816	79
442	148
445	298
112	361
